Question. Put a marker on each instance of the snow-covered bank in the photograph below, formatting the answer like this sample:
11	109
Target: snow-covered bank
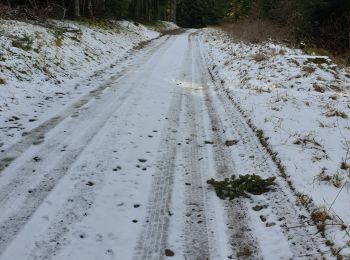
301	103
44	67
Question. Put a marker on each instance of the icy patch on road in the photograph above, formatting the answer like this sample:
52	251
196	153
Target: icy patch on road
301	103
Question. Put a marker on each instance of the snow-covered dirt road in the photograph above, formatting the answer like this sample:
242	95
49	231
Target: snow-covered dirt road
121	174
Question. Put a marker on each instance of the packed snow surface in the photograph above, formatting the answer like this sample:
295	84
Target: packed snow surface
110	132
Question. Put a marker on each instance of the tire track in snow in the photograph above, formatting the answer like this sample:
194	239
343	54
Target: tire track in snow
13	223
243	242
27	189
195	228
153	238
82	197
304	242
37	134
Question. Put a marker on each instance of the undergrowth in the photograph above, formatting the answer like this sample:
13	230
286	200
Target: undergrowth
25	43
156	26
58	34
99	23
242	186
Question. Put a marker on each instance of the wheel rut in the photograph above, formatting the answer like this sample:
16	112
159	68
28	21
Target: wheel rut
37	134
197	245
304	242
22	194
197	109
242	240
153	238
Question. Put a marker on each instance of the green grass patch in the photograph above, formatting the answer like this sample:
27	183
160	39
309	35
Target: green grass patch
316	52
99	23
25	43
336	113
317	60
158	26
241	186
58	34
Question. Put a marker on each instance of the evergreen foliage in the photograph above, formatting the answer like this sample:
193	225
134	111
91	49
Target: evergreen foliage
242	186
146	10
200	13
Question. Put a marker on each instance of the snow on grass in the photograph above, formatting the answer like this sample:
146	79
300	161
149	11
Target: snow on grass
169	25
42	67
302	105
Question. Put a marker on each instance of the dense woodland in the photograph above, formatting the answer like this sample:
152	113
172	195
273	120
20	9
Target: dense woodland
147	10
323	22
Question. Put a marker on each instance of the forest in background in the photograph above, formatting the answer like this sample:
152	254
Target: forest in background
321	23
145	10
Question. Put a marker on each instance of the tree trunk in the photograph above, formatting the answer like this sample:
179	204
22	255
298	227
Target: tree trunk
76	8
348	20
174	11
103	5
89	7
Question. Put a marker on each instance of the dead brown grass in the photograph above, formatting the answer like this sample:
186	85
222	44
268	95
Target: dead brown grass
259	57
344	166
302	199
259	30
308	69
319	216
256	31
318	88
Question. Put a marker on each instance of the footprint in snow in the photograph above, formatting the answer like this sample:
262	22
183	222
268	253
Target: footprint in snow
262	218
109	252
259	207
270	224
231	142
117	168
169	252
99	238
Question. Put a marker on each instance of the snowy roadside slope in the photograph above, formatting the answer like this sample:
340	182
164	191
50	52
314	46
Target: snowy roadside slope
44	68
302	105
